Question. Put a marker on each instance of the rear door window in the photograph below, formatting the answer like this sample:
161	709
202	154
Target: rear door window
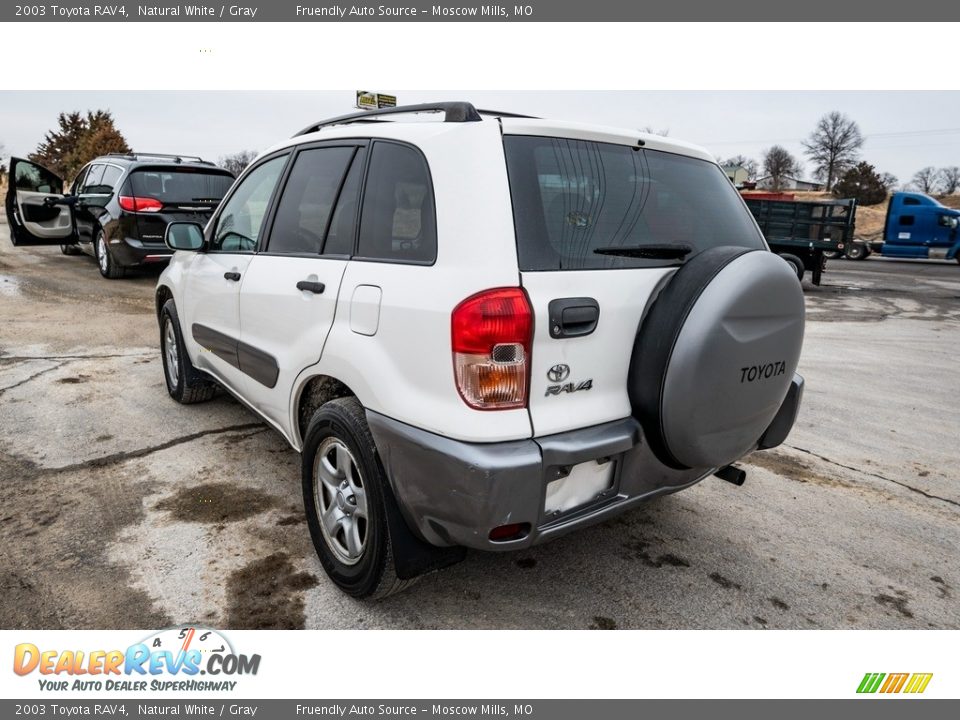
91	184
573	197
398	220
306	205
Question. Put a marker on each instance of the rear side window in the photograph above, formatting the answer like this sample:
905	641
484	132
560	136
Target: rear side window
308	199
101	180
181	187
398	220
110	177
572	197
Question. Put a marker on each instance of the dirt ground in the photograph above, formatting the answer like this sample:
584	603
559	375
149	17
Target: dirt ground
121	509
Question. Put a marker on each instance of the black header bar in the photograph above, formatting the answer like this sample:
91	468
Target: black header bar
739	11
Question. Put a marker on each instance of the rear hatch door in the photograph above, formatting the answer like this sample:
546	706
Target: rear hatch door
600	229
173	192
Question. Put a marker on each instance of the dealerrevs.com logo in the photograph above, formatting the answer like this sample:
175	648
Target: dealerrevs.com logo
171	659
884	683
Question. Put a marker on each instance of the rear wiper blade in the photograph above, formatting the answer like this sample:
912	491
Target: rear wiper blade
663	251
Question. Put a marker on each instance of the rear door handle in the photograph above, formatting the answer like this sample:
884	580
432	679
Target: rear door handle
312	287
573	317
232	275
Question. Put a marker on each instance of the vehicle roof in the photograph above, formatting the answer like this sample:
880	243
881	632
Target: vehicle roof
421	131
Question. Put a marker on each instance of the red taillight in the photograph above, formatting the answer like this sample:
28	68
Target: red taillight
491	336
140	204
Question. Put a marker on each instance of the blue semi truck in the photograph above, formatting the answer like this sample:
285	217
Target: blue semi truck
917	226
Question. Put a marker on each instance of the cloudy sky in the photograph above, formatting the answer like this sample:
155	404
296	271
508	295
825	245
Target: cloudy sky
904	130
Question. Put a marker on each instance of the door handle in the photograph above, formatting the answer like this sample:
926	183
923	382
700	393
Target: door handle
573	317
311	287
232	275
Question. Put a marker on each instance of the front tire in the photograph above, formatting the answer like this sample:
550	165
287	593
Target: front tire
344	495
105	262
184	383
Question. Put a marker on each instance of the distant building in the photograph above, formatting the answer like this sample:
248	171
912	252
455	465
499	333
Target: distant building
737	173
790	183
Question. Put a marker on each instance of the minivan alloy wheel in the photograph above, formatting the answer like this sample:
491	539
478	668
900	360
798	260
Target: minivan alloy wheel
341	501
102	253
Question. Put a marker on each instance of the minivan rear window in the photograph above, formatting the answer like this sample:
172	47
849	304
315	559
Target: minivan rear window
571	197
182	186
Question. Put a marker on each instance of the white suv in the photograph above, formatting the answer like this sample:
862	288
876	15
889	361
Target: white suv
483	330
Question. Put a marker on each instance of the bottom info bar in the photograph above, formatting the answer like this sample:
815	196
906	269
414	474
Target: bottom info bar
854	709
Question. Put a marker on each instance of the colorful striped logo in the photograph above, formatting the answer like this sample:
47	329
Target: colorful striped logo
894	683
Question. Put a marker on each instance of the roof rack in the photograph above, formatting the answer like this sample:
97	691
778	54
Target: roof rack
167	156
452	112
503	114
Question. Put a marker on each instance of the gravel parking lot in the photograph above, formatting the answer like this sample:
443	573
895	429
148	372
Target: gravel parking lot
121	509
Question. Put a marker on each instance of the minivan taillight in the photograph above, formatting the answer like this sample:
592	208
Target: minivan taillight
492	333
140	204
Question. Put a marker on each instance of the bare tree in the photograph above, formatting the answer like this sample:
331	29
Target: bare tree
950	179
926	180
889	180
237	162
3	165
749	164
650	131
779	164
833	146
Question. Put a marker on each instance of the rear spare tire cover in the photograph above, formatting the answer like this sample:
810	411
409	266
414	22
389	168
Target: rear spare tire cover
715	355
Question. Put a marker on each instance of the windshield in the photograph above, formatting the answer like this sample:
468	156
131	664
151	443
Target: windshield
572	198
183	186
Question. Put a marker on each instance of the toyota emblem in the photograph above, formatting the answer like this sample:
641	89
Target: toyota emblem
558	373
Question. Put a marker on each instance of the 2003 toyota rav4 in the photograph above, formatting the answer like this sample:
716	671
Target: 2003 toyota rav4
484	331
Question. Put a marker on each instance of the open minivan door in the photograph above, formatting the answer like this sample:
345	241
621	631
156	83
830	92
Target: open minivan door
35	211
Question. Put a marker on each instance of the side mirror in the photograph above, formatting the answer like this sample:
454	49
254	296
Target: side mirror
184	236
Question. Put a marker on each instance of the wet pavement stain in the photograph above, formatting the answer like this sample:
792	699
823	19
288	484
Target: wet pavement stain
724	582
603	623
637	550
898	603
216	503
788	467
526	563
268	594
944	588
778	603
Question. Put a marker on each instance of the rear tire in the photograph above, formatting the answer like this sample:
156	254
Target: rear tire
184	383
105	261
857	251
344	495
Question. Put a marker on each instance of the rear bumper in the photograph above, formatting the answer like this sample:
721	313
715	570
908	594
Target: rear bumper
455	493
131	251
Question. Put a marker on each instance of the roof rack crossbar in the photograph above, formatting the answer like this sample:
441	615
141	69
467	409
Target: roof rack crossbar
452	112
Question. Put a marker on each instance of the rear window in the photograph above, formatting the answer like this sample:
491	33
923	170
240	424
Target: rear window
180	186
572	197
